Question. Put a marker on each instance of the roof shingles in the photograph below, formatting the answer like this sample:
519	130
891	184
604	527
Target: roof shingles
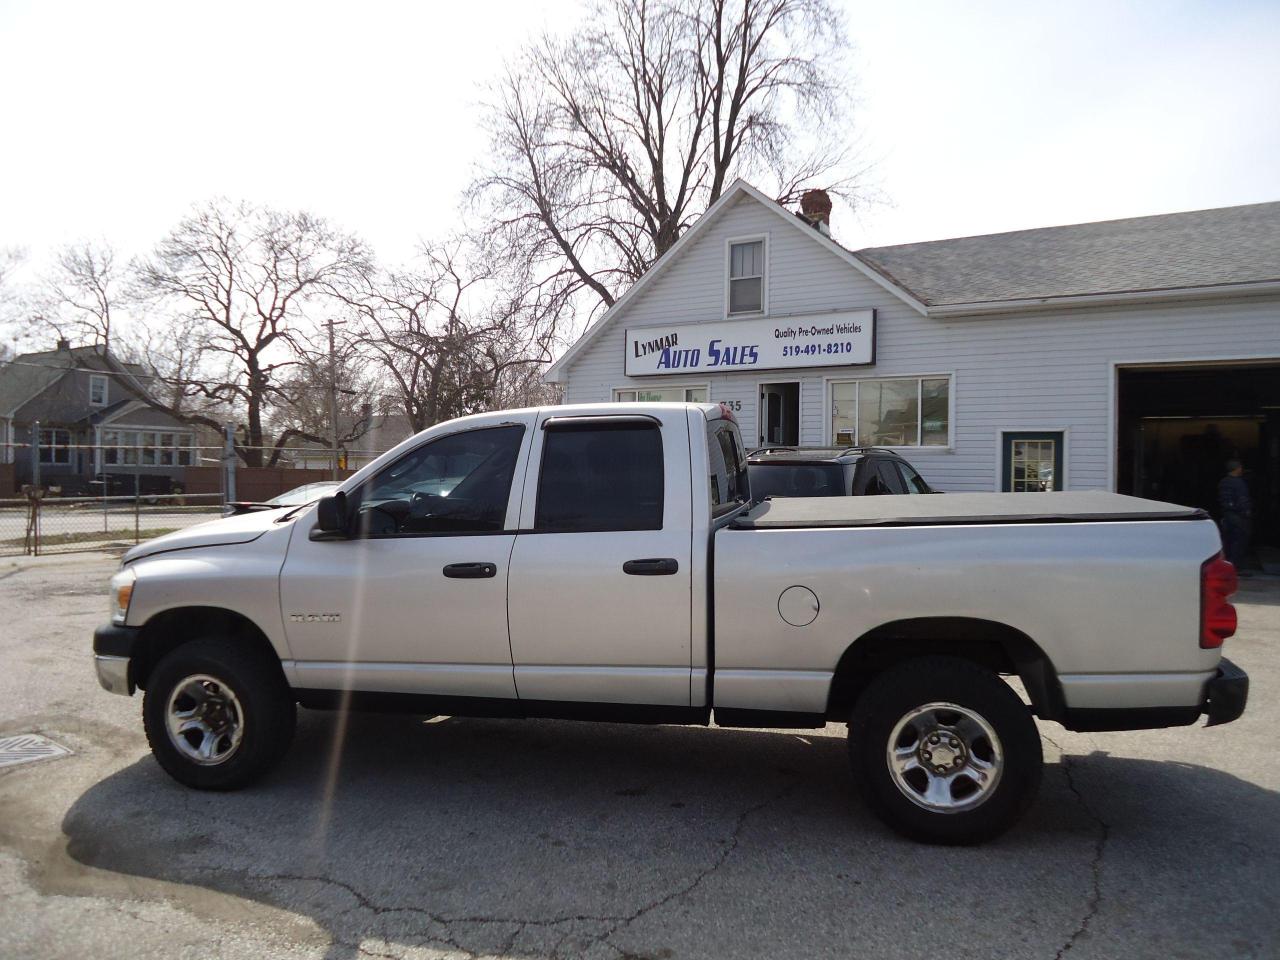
1202	248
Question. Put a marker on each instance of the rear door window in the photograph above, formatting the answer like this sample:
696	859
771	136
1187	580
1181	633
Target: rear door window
729	484
596	477
915	483
881	478
890	477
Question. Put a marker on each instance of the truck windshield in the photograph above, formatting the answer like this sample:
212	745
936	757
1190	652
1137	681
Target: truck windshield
796	480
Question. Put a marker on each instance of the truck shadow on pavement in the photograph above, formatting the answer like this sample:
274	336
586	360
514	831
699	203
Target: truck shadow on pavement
558	839
1260	589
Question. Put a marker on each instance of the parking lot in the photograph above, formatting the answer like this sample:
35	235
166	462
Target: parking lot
394	837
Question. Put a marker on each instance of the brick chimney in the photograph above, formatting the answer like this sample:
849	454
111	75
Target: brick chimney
815	207
64	344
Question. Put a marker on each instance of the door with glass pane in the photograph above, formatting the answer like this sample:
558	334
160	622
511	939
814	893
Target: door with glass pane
599	592
1031	461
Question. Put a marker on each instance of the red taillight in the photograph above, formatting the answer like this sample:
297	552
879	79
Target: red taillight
1217	616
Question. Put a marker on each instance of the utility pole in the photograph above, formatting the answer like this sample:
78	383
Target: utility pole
35	454
229	463
333	398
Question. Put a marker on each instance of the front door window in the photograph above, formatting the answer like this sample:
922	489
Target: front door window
1032	462
458	484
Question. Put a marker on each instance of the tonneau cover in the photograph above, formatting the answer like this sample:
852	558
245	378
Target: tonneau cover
958	508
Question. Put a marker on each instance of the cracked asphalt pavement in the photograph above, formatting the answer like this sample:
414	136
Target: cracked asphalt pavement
395	837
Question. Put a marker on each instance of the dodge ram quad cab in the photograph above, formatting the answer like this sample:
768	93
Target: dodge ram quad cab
607	562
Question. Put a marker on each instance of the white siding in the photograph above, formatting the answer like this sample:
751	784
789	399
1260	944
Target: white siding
1043	370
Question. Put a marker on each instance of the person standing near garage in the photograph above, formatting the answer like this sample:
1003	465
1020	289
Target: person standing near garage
1237	513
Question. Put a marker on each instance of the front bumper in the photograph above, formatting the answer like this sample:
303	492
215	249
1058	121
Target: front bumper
113	653
113	674
1226	694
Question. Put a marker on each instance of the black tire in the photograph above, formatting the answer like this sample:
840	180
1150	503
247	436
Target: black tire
266	712
909	687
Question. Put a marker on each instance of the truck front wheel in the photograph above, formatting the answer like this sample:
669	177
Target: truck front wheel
218	715
944	751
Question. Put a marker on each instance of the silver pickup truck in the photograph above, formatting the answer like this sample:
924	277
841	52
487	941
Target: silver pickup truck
606	562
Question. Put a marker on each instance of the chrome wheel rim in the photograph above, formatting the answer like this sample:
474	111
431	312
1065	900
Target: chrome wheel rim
204	720
945	758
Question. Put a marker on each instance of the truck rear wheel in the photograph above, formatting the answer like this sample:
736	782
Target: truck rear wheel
217	715
944	751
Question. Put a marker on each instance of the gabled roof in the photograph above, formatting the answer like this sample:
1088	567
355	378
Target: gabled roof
28	375
733	192
1225	247
1225	251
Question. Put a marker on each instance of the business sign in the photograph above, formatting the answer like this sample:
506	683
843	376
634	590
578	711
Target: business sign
823	340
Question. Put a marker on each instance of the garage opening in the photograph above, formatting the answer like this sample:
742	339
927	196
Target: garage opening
1177	427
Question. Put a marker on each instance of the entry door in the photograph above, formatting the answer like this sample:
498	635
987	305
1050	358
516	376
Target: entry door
415	600
779	414
600	592
1032	461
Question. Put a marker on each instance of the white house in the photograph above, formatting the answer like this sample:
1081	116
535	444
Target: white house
1134	355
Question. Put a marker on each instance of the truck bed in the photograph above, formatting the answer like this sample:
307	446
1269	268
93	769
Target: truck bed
794	513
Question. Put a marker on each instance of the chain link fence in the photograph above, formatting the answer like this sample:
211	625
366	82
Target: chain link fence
68	497
36	525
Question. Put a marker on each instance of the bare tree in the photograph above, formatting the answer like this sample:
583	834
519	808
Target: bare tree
608	142
84	292
77	300
10	258
448	335
306	413
239	279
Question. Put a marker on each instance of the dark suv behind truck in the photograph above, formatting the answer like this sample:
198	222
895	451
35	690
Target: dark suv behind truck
831	472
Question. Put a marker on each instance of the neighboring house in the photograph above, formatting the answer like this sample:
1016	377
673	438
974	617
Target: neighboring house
91	424
384	432
1132	355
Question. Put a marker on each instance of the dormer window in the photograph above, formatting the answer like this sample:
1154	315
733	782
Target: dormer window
746	276
97	390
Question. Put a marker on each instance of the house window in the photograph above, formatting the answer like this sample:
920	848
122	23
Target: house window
97	390
146	448
662	395
897	412
746	277
55	446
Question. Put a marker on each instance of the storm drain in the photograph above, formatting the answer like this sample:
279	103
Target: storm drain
27	748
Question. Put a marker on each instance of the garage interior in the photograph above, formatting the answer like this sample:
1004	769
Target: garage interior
1177	426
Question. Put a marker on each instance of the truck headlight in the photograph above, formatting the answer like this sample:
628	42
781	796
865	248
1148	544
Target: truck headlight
121	594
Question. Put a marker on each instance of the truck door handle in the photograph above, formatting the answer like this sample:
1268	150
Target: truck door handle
470	571
657	567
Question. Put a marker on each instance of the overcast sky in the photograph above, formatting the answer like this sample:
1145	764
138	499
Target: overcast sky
981	117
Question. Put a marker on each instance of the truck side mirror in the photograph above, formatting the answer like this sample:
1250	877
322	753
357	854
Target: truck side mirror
331	514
